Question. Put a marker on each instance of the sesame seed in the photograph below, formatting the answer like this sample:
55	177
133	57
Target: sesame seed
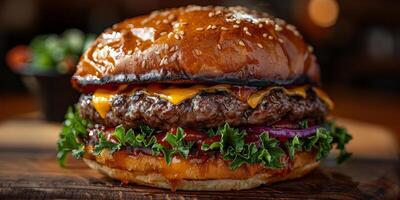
248	33
310	48
245	28
163	61
199	29
260	45
265	35
213	27
270	37
191	8
158	22
280	40
280	21
157	52
165	21
290	27
224	28
235	26
163	33
172	49
229	20
166	46
184	23
238	21
181	33
219	8
177	36
210	14
197	52
219	47
269	21
218	12
208	27
260	25
170	34
241	43
143	63
278	28
293	29
173	57
156	12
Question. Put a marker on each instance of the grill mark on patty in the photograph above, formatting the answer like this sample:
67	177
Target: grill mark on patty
206	110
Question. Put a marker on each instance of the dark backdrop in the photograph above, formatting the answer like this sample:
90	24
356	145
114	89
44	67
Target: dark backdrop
361	48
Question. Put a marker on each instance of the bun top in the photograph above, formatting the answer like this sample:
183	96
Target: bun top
199	44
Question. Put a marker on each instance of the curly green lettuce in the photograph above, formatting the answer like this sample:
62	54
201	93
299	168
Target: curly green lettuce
231	146
73	128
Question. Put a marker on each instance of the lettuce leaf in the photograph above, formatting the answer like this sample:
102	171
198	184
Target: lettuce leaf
178	146
74	127
103	143
232	146
293	145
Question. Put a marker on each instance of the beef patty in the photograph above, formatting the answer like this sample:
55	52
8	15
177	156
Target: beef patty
206	110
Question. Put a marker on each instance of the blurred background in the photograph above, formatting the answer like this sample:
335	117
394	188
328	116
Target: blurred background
357	43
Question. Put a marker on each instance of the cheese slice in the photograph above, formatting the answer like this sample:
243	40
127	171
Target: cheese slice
175	94
219	87
299	91
256	98
324	97
101	101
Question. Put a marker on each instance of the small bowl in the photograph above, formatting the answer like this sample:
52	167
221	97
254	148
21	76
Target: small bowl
52	91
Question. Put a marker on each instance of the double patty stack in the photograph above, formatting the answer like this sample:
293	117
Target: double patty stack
200	98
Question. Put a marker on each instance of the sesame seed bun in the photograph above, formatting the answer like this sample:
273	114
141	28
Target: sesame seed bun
181	174
199	44
194	45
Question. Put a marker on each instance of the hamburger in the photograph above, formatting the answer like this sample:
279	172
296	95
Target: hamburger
200	98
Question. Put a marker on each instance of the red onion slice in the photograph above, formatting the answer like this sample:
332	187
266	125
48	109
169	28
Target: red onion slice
283	132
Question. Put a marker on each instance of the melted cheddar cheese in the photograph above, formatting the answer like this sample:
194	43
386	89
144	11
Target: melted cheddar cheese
176	95
101	100
324	97
258	96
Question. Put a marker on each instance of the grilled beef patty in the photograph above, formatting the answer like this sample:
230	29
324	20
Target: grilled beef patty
206	110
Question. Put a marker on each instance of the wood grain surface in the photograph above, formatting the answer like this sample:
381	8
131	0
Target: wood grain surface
28	170
30	174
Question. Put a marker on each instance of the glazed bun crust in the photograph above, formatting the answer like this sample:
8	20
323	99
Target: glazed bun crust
213	175
199	44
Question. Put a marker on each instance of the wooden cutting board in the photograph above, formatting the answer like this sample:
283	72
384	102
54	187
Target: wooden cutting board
28	169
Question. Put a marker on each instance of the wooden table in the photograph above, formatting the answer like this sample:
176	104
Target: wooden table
28	170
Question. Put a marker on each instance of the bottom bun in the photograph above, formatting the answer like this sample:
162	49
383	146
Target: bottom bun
134	170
